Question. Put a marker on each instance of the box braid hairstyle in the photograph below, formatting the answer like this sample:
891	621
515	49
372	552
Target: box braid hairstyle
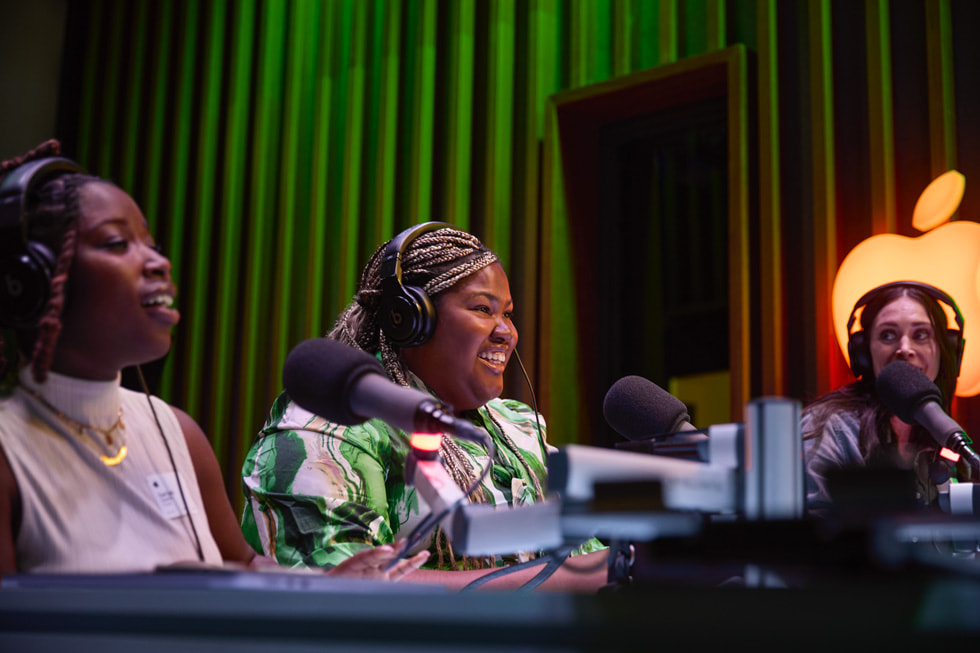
52	219
434	261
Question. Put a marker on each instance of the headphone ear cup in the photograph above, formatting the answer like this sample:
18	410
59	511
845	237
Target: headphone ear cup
407	316
25	284
860	354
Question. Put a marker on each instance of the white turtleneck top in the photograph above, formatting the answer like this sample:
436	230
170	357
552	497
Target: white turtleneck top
81	515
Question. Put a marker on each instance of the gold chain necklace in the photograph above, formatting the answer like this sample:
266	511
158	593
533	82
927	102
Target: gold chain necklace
88	430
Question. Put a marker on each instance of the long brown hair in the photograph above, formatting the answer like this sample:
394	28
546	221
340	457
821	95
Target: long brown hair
861	398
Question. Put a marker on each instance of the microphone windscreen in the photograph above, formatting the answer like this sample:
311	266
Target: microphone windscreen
902	388
638	408
319	374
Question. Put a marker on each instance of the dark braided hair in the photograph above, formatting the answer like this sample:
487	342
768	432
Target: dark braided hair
435	261
52	219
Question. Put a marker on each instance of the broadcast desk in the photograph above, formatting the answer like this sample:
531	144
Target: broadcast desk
245	612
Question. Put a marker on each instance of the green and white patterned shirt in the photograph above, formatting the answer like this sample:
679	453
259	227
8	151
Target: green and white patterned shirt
318	492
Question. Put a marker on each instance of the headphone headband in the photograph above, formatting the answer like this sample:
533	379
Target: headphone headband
17	186
26	266
391	262
859	346
932	291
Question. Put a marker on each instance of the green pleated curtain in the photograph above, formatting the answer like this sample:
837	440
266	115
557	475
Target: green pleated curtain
273	145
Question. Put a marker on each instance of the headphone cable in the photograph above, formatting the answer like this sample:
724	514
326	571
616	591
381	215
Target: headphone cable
534	406
173	465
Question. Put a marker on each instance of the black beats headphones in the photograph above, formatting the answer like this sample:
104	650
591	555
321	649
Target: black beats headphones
26	266
859	348
407	315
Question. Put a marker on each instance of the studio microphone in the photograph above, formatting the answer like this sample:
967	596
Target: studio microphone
348	386
641	411
911	396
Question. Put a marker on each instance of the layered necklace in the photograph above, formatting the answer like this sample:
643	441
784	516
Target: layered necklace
107	441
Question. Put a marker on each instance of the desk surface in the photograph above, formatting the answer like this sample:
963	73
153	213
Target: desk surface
245	612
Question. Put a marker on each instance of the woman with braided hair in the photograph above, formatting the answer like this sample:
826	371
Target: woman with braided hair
434	305
94	477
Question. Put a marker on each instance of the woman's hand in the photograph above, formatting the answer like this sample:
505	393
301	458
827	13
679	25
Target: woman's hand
372	564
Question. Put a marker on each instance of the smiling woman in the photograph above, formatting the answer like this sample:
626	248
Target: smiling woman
465	359
434	305
117	271
94	477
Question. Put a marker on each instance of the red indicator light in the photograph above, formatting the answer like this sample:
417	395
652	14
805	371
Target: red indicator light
426	441
949	455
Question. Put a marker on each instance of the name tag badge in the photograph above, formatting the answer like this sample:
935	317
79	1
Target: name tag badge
167	495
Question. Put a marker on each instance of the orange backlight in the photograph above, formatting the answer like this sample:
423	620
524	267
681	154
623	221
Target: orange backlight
951	456
426	441
946	255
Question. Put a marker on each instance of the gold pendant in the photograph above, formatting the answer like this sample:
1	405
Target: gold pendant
115	460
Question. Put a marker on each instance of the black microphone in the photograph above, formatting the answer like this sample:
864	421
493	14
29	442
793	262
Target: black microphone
914	399
348	386
641	411
638	409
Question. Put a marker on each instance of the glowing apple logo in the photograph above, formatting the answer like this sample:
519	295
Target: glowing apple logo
947	257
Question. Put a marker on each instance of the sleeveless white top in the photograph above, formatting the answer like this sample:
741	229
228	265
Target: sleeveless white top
80	515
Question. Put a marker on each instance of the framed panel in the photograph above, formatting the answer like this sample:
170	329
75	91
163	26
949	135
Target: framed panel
645	234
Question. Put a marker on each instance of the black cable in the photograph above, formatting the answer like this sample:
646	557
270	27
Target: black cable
552	559
534	407
544	450
173	465
505	571
557	559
